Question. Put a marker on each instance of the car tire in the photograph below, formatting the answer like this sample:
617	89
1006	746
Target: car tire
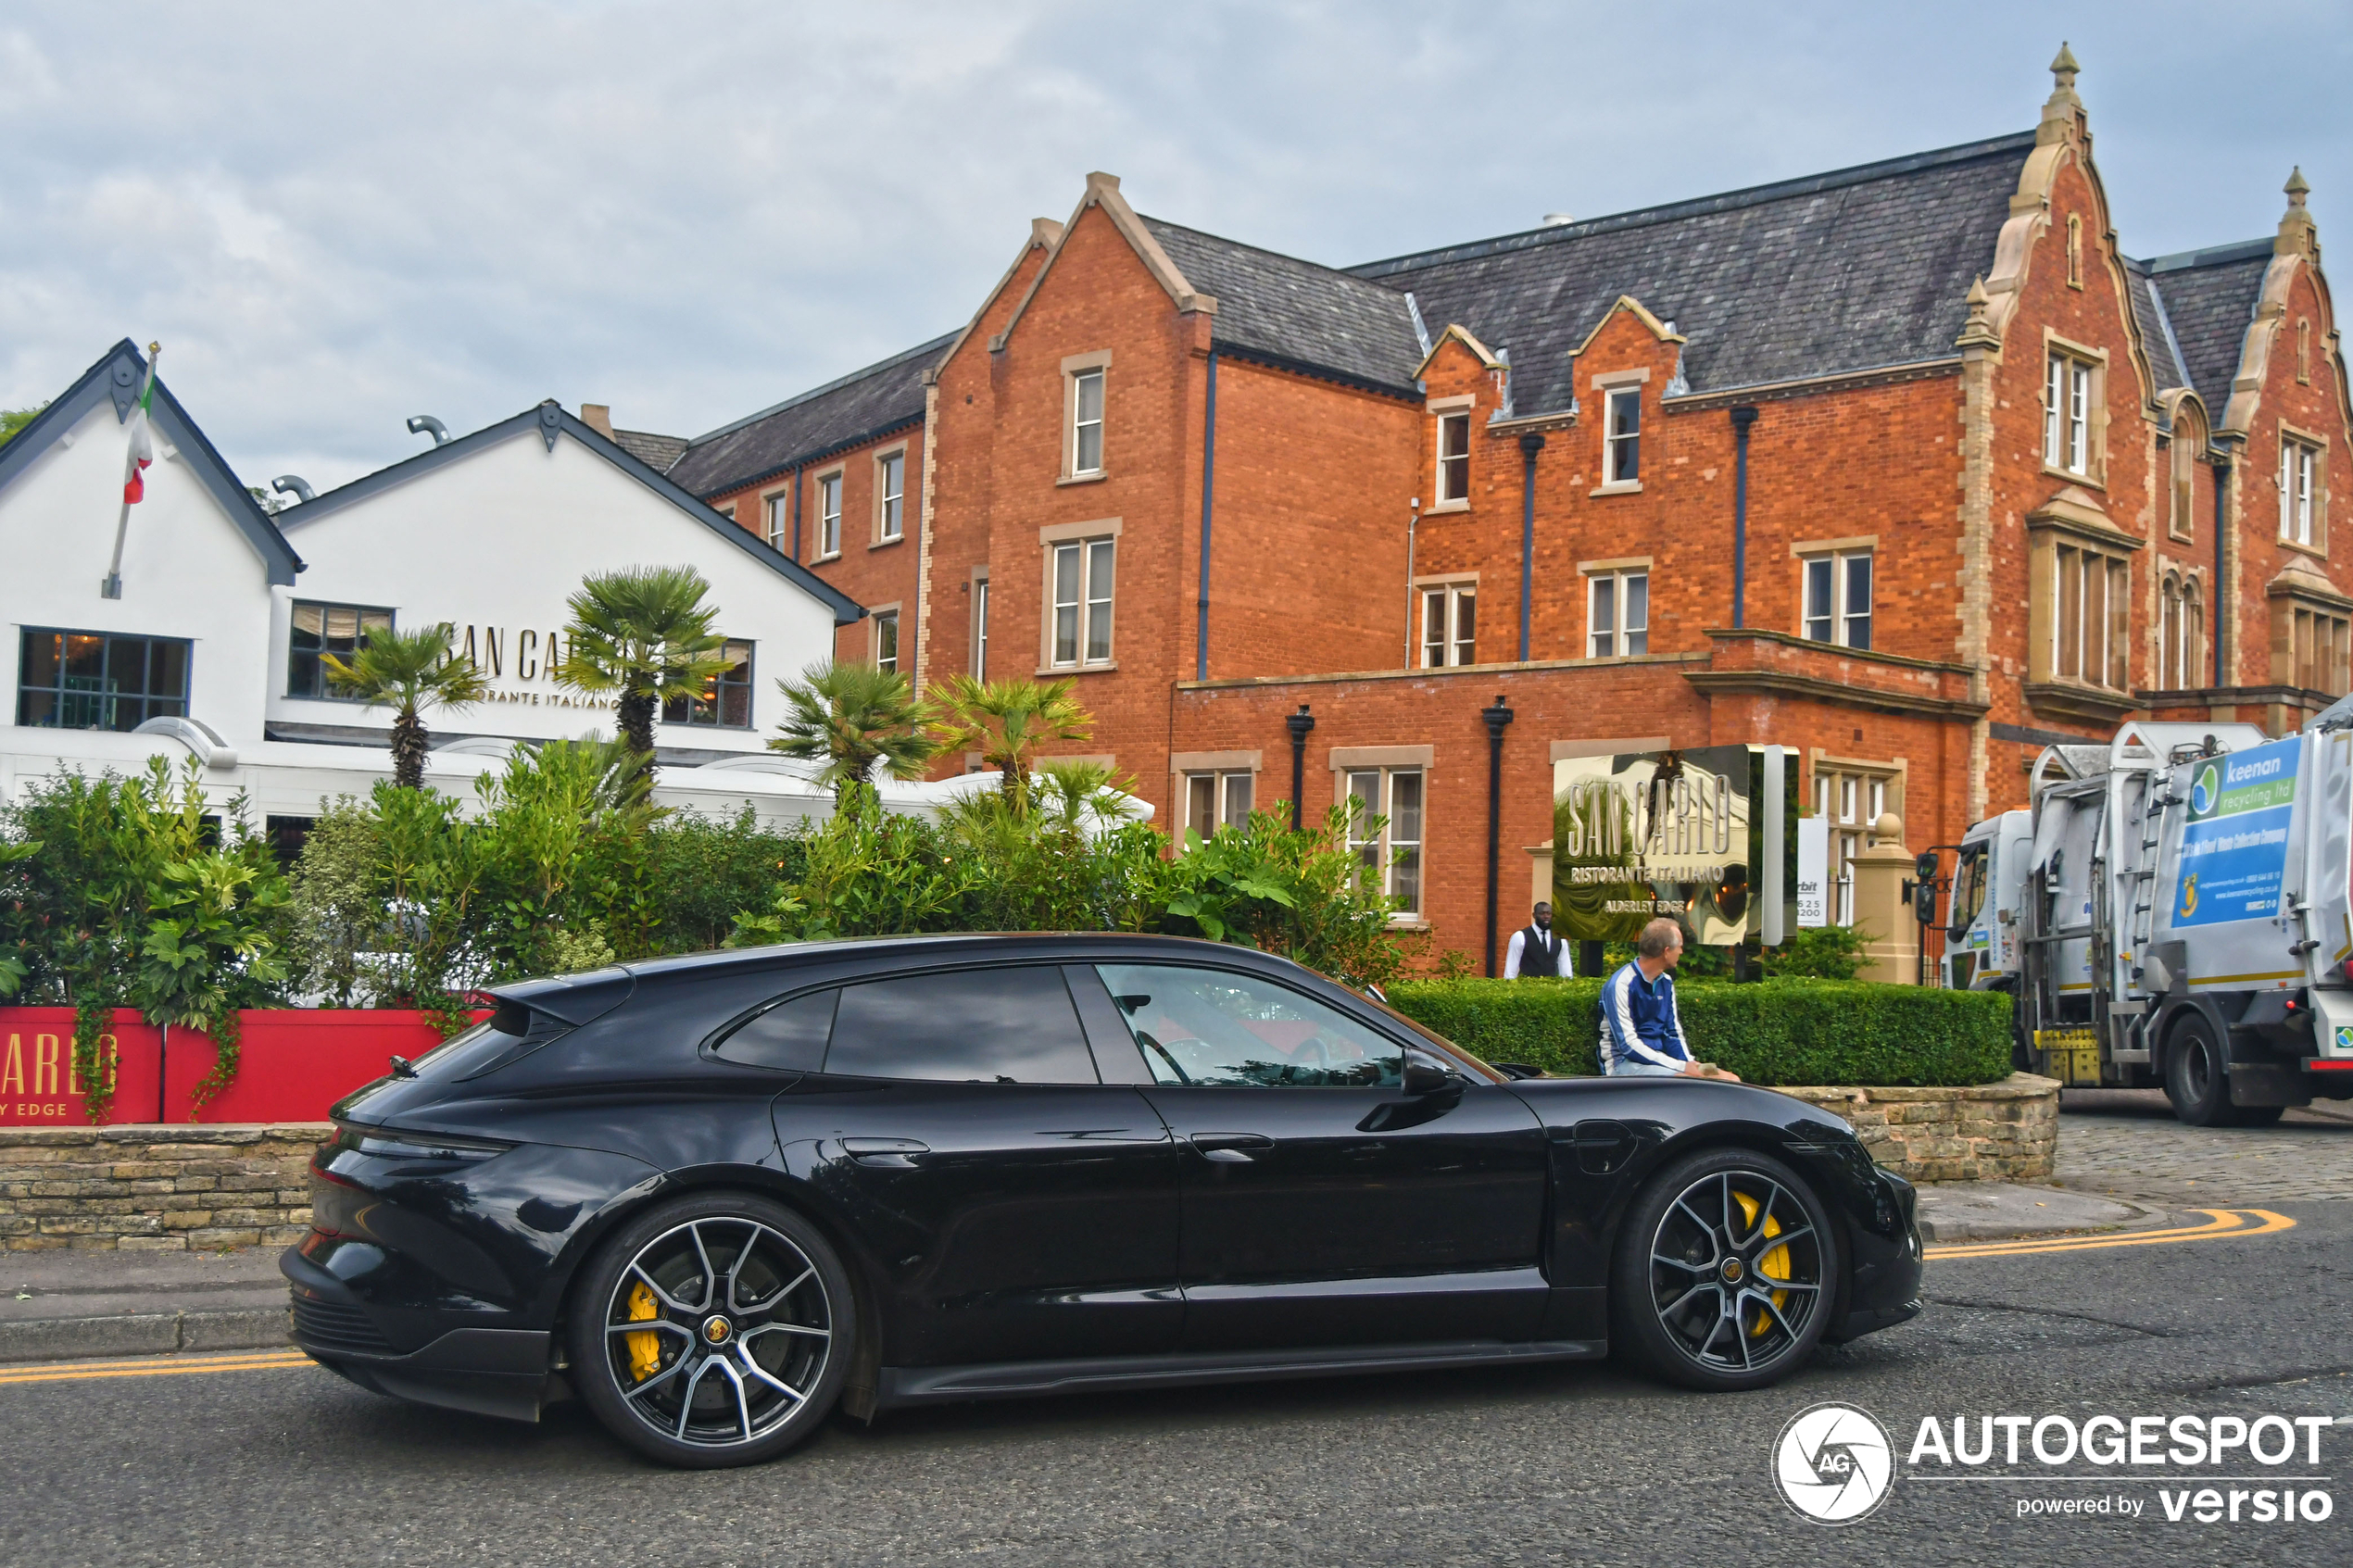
2197	1075
1723	1306
751	1325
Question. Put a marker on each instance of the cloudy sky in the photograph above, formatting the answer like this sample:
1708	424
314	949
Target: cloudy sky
337	216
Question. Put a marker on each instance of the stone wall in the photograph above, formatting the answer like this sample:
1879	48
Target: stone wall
158	1188
2000	1131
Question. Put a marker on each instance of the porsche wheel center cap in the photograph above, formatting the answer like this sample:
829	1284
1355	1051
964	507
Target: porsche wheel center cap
1732	1270
717	1330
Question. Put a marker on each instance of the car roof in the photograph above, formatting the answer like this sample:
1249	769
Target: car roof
889	952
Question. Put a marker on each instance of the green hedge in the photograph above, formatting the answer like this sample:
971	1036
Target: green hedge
1780	1032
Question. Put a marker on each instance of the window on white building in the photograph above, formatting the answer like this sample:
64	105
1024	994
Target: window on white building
100	680
317	629
724	701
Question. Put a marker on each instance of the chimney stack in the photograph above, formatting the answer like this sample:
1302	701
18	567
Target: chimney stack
599	418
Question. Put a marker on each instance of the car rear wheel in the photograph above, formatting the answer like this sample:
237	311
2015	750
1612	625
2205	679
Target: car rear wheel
2197	1079
713	1331
1726	1271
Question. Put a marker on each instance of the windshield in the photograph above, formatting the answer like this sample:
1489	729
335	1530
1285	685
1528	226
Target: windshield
1968	887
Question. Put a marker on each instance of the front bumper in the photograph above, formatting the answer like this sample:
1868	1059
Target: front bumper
1884	1276
500	1372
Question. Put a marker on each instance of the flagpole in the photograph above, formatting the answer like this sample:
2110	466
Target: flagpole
112	587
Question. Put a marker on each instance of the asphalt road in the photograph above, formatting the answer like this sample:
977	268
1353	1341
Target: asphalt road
1578	1464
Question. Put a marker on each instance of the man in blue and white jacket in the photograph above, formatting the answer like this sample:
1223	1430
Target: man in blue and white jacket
1641	1033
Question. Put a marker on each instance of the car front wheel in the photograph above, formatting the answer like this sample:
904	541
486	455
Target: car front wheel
713	1331
1726	1271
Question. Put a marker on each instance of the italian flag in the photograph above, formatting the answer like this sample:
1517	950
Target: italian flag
142	451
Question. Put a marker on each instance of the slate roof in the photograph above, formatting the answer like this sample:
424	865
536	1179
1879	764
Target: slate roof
2210	295
2155	325
1848	270
1297	312
657	452
859	406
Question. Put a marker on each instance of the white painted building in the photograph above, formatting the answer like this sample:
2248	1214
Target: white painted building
211	649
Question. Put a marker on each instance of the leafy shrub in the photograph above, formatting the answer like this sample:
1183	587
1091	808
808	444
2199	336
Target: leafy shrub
1780	1032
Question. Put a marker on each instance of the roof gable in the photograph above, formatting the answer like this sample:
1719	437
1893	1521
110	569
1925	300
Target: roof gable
548	422
858	407
1849	270
116	377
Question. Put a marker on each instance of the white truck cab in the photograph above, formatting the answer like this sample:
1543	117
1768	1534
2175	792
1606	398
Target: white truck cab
1989	880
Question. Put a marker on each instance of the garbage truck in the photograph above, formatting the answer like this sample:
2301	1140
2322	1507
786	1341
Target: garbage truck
2174	908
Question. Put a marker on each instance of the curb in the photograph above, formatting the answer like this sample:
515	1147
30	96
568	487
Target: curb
2146	1216
143	1333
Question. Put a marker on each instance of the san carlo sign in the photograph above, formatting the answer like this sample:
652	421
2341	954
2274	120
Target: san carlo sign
520	663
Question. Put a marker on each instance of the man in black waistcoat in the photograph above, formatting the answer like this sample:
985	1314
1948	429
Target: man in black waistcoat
1536	952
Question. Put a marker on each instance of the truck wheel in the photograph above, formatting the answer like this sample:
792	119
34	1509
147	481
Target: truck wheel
2259	1115
2197	1075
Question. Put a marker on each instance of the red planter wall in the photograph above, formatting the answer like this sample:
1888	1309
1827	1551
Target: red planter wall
294	1065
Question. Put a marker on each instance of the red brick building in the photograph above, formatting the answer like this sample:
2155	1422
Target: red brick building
1909	466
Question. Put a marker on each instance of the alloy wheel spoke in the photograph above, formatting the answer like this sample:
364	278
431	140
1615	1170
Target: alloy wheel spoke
1784	1238
754	1333
1679	1264
736	1380
1705	1229
710	1275
1765	1300
649	1326
762	1372
661	1295
687	1400
1677	1305
657	1379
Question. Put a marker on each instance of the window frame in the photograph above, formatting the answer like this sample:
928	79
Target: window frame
831	486
1615	440
716	701
887	629
1077	371
1097	546
777	506
2181	631
1451	595
181	704
890	504
1842	615
2308	532
1619	633
978	587
2074	400
1222	789
1379	851
1851	794
1452	469
327	692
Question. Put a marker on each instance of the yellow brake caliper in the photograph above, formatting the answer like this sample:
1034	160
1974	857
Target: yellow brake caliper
1773	1266
644	1349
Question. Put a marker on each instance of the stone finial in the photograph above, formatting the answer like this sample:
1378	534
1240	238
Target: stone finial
1978	330
2063	103
2296	229
1889	829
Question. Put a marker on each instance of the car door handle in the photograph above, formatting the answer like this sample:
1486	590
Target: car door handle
1230	1148
897	1152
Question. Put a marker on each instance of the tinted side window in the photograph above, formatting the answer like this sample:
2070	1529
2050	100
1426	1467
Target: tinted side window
791	1035
1010	1025
1215	1027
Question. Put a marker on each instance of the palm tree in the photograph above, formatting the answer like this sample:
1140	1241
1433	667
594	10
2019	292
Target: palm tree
1006	722
642	634
409	672
849	717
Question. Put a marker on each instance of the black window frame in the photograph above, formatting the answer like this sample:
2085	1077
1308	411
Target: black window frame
151	705
326	691
683	708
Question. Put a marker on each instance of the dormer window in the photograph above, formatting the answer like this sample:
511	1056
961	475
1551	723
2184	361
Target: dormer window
1622	437
1453	456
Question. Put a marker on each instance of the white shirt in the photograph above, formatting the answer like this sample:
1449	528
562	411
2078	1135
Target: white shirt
1520	938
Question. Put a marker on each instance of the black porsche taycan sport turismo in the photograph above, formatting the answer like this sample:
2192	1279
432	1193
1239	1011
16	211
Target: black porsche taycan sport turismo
717	1197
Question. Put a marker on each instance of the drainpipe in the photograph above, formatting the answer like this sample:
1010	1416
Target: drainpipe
1300	723
796	515
1496	717
1208	485
2218	602
1529	445
1743	416
1412	518
163	1064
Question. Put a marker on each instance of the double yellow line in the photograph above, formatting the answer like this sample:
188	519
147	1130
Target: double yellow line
155	1366
2221	1224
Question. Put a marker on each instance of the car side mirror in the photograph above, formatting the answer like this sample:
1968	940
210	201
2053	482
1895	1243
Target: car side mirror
1426	1074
